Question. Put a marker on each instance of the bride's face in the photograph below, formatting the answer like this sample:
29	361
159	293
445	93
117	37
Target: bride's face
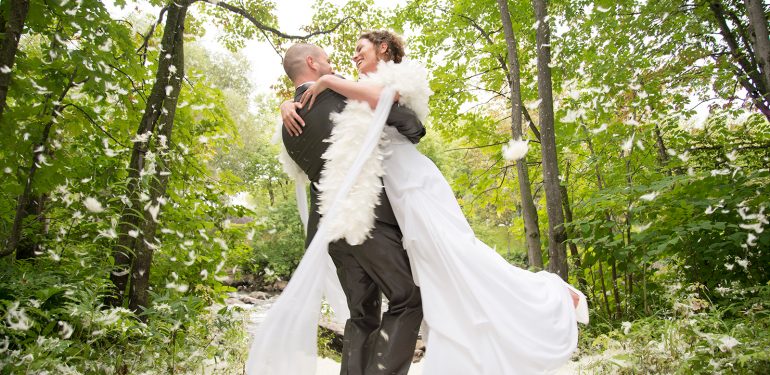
367	55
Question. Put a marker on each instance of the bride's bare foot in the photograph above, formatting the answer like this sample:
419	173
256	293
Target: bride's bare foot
575	298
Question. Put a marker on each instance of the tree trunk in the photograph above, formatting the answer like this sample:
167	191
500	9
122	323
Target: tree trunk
140	271
748	74
556	233
129	230
14	27
608	217
529	212
604	291
630	256
616	290
29	246
592	289
644	288
760	39
270	192
572	246
38	153
629	277
661	148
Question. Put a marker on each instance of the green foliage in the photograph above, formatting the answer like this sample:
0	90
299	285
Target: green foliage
278	245
701	213
327	345
691	335
74	55
239	29
57	323
360	15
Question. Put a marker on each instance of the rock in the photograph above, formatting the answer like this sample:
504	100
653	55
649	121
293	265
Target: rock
419	351
259	295
248	299
334	334
336	328
279	285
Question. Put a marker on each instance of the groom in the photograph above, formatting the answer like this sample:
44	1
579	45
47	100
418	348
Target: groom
372	344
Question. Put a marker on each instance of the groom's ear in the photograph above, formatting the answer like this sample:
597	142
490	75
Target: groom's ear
310	62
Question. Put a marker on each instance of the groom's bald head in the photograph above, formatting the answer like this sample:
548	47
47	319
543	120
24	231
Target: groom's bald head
305	59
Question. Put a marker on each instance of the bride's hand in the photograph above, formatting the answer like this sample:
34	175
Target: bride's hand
291	119
312	92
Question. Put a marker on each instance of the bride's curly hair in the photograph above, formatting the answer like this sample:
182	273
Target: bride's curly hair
395	44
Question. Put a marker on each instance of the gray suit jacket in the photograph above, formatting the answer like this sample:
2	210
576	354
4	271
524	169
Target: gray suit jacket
307	148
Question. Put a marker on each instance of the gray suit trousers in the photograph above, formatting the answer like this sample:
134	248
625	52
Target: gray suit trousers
374	345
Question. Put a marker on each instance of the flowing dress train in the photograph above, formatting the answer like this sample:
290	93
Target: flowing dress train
484	315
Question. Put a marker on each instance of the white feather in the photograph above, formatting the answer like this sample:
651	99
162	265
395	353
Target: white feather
515	149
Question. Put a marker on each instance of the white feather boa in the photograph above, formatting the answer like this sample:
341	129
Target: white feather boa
410	80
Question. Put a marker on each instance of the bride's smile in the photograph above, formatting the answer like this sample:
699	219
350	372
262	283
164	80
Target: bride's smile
366	55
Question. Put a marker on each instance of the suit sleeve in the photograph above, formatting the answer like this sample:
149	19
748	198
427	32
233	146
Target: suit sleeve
406	122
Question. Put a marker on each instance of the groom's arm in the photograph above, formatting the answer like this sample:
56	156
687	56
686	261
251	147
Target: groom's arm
406	122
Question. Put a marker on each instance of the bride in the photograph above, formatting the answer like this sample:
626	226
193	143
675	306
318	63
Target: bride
483	315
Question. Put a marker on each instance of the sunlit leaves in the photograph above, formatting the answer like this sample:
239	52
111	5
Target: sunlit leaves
238	28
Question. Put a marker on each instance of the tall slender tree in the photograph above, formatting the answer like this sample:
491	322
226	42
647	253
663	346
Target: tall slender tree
173	67
129	236
556	231
749	49
38	158
759	37
13	26
529	212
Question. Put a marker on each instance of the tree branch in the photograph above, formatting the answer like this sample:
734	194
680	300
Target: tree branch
91	120
477	147
263	27
532	125
145	43
756	84
133	84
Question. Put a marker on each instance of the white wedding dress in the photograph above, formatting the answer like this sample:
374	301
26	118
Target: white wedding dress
483	315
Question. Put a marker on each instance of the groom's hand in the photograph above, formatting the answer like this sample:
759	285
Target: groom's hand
291	119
